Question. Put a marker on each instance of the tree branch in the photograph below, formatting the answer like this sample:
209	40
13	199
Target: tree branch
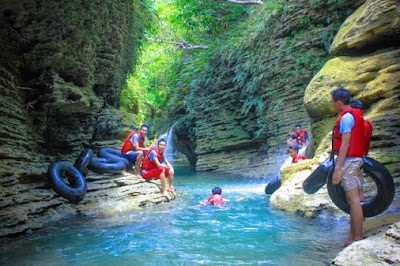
247	2
183	44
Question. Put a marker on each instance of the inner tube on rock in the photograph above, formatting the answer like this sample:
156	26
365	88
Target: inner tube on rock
84	160
107	165
75	190
273	185
317	179
112	153
384	184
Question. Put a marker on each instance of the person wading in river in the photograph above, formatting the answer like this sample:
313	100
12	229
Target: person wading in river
349	144
156	166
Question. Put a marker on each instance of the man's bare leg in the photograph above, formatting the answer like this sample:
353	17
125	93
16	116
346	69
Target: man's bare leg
138	163
171	185
164	186
356	217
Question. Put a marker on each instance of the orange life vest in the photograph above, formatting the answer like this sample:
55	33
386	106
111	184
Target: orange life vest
300	138
357	139
128	146
147	163
298	158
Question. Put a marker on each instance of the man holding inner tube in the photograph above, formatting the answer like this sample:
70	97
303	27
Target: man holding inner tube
349	145
133	148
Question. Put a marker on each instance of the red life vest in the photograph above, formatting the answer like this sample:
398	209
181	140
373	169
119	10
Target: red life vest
300	138
357	139
298	158
128	146
368	134
147	163
216	199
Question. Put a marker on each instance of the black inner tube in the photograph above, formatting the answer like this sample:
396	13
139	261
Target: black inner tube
374	206
76	187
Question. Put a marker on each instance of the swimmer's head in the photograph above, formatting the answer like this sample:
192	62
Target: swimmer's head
217	190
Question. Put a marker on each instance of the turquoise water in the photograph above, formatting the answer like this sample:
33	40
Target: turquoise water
181	232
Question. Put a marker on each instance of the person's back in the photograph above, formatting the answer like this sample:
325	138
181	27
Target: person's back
216	198
368	128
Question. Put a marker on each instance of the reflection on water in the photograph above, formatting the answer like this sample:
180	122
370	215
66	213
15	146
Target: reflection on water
182	232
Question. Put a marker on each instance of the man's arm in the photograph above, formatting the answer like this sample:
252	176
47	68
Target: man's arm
171	169
344	148
135	143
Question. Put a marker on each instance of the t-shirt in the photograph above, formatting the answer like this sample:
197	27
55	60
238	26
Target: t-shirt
347	123
153	156
135	140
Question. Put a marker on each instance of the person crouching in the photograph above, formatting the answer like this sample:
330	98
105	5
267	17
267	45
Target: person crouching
156	166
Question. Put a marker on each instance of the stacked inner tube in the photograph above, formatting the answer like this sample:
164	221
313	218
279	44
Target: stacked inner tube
109	161
372	168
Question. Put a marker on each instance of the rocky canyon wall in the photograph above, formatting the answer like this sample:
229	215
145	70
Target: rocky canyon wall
250	95
366	61
63	65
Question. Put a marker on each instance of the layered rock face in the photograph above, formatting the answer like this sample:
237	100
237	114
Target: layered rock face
367	62
250	95
63	66
373	78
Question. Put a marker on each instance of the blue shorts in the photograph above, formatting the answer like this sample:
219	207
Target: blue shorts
131	156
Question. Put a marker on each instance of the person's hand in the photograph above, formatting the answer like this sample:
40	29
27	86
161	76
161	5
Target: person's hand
337	176
240	199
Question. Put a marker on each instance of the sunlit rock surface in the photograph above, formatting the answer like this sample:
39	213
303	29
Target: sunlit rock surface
374	25
380	249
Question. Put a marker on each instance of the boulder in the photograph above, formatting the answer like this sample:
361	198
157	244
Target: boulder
368	78
380	249
374	24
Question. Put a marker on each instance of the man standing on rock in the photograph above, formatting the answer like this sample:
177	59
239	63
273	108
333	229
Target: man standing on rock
348	143
133	148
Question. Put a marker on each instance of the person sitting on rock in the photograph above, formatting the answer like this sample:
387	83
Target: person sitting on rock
294	153
133	148
299	137
156	166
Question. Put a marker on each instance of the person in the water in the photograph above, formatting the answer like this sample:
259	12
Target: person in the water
156	166
217	199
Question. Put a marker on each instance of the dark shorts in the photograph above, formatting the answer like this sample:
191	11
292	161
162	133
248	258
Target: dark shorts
131	156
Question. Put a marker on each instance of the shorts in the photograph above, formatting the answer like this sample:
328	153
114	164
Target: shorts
154	173
131	156
352	174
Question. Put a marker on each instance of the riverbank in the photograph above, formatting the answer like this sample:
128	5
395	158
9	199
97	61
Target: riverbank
27	207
